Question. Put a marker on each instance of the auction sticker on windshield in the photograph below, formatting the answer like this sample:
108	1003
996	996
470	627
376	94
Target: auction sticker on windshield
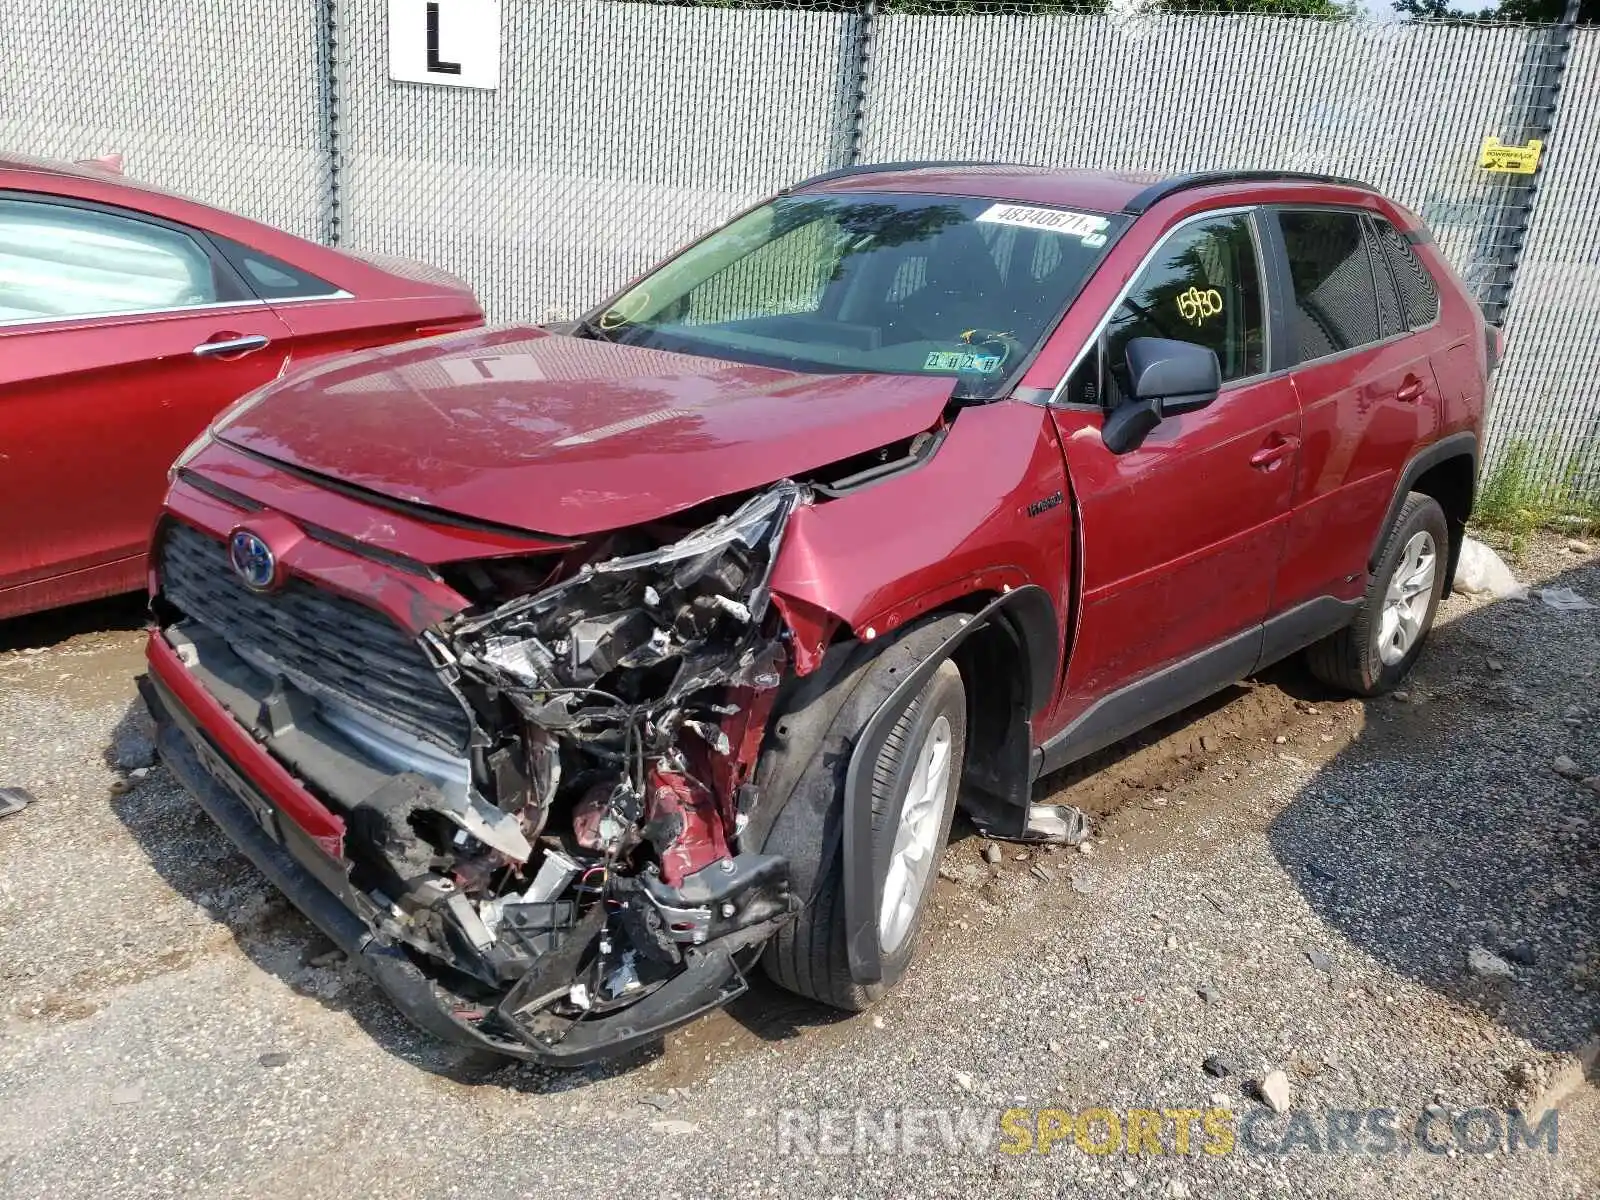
1074	224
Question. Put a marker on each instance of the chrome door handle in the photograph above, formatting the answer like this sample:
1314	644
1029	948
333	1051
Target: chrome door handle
239	345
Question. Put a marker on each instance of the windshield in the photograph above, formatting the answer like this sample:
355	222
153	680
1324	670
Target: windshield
924	285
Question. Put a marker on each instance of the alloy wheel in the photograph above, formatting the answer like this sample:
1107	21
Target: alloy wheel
916	839
1405	604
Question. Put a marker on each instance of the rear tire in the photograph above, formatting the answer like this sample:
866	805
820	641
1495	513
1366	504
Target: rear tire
809	957
1372	654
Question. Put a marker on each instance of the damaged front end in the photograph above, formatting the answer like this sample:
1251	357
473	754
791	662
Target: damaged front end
576	877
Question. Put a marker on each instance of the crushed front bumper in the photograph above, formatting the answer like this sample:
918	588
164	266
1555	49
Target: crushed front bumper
220	765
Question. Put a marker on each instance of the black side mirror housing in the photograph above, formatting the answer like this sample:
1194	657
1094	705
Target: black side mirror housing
1183	377
1167	378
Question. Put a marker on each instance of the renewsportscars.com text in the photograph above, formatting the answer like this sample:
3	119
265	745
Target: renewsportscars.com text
1161	1131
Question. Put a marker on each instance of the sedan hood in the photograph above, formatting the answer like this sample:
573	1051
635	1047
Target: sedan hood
567	436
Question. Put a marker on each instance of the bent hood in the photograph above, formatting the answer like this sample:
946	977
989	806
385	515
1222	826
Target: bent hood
567	436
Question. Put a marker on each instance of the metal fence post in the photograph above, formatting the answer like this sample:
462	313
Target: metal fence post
1544	73
853	85
328	88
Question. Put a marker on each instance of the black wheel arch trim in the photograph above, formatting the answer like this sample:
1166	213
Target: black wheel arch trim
1031	615
862	874
1455	445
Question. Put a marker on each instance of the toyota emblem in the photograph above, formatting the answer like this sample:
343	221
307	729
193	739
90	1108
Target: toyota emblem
253	560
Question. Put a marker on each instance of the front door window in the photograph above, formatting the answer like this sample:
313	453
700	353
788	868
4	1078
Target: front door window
1203	286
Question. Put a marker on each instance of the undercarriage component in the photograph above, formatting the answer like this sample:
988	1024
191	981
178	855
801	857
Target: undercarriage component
729	895
1058	823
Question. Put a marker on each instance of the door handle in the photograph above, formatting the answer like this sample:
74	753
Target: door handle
238	345
1271	455
1410	390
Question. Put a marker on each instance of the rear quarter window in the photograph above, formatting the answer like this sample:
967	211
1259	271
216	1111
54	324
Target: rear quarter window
272	278
1419	294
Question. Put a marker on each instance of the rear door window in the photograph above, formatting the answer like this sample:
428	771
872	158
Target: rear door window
1335	304
59	261
1419	295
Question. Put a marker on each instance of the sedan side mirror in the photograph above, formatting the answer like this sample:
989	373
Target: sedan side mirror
1166	378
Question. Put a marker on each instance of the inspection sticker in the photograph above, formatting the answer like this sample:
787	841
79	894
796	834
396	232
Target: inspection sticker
1079	225
955	360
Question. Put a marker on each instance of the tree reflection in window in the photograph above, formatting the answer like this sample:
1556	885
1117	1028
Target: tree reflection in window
1203	287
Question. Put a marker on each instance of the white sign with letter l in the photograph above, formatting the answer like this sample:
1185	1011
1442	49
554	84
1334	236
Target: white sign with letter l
451	42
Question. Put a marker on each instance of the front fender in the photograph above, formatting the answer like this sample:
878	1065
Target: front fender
982	516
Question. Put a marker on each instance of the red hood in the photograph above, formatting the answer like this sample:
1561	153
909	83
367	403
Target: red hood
569	436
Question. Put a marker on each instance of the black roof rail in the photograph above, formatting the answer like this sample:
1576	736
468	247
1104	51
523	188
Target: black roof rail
1146	199
884	168
1141	202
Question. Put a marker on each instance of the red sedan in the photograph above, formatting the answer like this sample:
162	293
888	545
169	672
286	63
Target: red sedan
129	318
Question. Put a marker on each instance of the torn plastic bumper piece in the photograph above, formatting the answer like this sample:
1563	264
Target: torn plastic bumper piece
711	977
315	883
1059	824
14	800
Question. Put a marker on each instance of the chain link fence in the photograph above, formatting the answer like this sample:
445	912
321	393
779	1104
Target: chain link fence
1402	107
223	101
623	128
619	131
1544	433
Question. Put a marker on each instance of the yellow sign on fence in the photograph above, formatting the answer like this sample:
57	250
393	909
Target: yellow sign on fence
1513	160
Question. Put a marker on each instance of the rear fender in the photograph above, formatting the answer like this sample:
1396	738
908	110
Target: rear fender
1456	446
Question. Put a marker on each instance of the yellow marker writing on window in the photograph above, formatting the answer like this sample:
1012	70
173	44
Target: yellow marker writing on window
1195	305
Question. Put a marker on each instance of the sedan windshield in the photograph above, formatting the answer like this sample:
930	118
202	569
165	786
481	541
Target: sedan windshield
901	284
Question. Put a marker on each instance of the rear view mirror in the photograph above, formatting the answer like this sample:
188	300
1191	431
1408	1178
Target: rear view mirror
1165	378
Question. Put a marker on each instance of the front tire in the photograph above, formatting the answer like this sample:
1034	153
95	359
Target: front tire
918	773
1372	654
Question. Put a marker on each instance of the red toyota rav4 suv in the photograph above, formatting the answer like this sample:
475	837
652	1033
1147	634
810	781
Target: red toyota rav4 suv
559	675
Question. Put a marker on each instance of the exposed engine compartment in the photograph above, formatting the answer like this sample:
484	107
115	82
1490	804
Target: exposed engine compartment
617	717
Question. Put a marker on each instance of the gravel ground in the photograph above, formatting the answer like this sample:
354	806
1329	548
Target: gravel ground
1282	880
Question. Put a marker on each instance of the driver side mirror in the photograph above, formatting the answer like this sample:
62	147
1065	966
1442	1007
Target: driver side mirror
1165	378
